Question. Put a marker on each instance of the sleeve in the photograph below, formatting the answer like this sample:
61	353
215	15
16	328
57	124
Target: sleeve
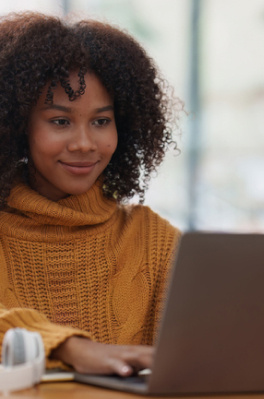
52	334
167	250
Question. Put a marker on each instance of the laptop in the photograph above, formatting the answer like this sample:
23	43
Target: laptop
211	337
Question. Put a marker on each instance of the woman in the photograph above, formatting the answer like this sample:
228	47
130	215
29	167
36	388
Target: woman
84	121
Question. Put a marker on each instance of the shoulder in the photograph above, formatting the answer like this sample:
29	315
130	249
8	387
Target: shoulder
144	218
144	212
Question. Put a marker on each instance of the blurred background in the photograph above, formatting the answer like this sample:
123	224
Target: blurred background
212	53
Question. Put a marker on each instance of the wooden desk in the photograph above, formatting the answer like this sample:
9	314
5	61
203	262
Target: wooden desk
72	390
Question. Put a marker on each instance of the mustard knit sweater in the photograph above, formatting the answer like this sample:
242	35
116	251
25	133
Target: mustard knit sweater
83	265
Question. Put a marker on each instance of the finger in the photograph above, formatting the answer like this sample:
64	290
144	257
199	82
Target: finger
138	357
120	367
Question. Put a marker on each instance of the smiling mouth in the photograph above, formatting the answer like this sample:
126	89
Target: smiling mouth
78	168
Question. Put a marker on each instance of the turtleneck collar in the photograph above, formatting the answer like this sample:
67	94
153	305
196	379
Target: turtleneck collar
90	208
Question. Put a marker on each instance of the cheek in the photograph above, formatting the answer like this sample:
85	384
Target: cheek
114	142
44	144
111	145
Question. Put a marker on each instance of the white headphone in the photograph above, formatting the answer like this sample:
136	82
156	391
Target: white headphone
23	360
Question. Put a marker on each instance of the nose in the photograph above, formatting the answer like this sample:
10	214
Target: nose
82	140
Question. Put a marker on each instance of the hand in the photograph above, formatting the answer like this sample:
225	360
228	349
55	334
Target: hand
90	357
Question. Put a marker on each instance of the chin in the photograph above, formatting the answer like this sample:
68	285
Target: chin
79	191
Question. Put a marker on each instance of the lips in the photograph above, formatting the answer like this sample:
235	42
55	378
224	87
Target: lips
78	168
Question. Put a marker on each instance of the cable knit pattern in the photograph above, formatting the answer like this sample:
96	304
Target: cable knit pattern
83	265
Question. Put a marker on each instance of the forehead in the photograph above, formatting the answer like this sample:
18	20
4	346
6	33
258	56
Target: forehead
92	91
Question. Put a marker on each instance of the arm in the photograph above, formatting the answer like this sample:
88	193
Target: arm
66	345
164	277
71	346
86	356
52	334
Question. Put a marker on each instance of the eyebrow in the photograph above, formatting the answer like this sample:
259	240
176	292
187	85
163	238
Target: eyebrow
104	109
69	109
56	106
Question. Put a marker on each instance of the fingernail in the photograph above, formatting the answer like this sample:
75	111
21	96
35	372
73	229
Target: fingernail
125	370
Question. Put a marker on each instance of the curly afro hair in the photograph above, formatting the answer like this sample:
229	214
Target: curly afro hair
36	50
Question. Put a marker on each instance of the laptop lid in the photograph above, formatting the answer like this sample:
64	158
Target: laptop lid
211	337
212	334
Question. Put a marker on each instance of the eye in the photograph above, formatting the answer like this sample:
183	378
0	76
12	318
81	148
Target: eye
60	122
101	122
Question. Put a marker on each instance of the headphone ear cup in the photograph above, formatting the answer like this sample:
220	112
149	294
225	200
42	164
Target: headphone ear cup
14	349
32	344
23	358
